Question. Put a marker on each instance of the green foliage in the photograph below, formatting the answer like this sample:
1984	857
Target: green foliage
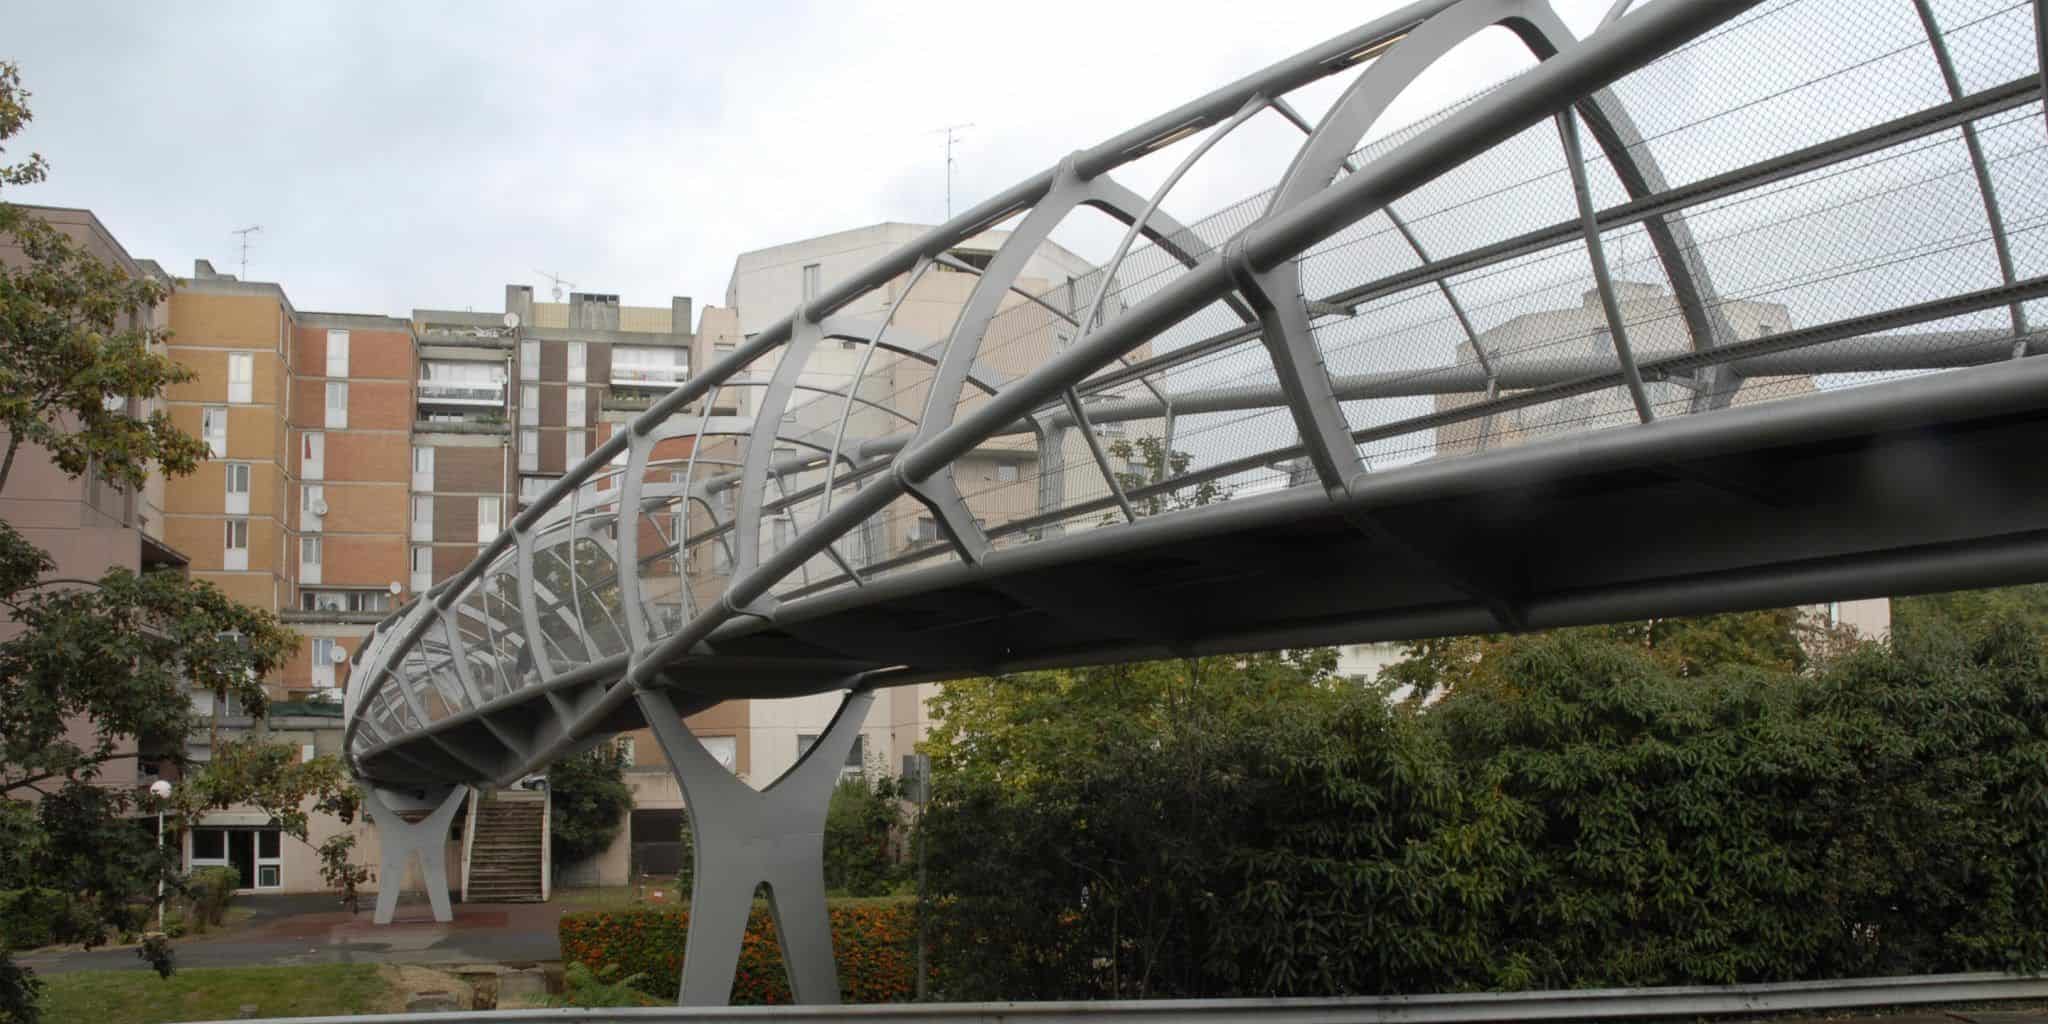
119	655
210	891
589	798
601	988
1670	803
2026	605
874	942
35	917
1148	461
860	827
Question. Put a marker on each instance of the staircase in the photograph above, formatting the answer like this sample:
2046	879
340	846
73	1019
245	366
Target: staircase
505	847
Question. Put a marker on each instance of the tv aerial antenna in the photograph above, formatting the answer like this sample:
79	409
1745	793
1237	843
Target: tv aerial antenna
952	133
558	281
243	237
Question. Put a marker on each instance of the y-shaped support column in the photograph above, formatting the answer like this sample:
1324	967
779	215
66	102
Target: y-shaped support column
744	837
398	840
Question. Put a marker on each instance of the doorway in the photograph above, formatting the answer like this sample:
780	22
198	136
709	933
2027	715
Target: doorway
256	854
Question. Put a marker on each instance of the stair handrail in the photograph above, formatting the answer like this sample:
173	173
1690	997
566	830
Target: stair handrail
469	838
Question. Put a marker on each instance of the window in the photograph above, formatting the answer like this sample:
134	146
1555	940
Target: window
529	450
529	405
213	425
1603	341
312	455
324	660
422	517
312	506
926	530
647	365
855	756
337	405
1006	472
577	356
235	545
487	511
529	360
810	281
337	353
344	601
722	347
422	468
241	377
725	748
422	569
238	488
309	560
577	414
626	750
572	446
532	487
462	382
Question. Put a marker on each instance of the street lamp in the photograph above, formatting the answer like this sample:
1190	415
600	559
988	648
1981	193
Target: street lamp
161	789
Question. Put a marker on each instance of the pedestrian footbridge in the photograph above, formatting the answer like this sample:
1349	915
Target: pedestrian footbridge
1724	305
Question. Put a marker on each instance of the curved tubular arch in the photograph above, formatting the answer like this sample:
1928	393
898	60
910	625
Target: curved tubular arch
860	372
1994	216
1277	238
1545	35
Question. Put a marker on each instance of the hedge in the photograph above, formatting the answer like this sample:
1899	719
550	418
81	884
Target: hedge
875	942
30	918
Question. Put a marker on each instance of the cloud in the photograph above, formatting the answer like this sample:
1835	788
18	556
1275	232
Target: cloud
407	156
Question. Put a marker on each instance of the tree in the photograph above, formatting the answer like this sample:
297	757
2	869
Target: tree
587	797
860	831
1148	461
123	653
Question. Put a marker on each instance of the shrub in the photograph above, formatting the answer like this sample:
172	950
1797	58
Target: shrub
860	825
33	917
211	890
874	940
588	800
602	988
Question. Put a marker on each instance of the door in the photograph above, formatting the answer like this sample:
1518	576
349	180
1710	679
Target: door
242	855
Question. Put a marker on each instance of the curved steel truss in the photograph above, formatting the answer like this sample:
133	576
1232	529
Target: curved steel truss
1776	204
1390	305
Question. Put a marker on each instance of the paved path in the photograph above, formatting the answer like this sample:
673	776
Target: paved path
288	930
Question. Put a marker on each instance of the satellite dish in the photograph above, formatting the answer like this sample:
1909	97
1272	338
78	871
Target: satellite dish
320	507
397	588
337	655
511	319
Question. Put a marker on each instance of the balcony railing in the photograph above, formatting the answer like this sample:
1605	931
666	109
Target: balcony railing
465	394
631	376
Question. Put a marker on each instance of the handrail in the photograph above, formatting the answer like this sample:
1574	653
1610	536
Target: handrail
1451	1008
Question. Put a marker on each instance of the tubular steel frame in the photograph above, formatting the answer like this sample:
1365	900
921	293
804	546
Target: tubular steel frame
563	670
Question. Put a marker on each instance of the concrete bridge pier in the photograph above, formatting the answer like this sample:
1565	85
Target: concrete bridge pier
745	837
398	840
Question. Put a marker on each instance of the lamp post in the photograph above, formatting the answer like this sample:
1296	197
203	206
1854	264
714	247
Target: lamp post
161	789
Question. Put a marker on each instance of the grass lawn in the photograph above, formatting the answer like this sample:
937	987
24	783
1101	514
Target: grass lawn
613	897
140	997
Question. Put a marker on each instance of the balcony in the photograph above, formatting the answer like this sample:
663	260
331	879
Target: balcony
462	394
647	376
488	423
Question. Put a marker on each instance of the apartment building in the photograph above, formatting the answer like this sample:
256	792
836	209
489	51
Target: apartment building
1654	328
90	525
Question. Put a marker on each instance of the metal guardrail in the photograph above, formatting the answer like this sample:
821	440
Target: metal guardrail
1460	1008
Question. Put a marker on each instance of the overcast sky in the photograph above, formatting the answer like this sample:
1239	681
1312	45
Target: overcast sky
427	155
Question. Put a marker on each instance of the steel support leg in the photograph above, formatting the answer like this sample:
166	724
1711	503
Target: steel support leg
743	838
398	840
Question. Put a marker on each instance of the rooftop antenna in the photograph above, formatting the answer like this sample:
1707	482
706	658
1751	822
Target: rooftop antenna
245	233
558	281
952	132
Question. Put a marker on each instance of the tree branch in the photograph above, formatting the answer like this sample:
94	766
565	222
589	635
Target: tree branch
7	467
